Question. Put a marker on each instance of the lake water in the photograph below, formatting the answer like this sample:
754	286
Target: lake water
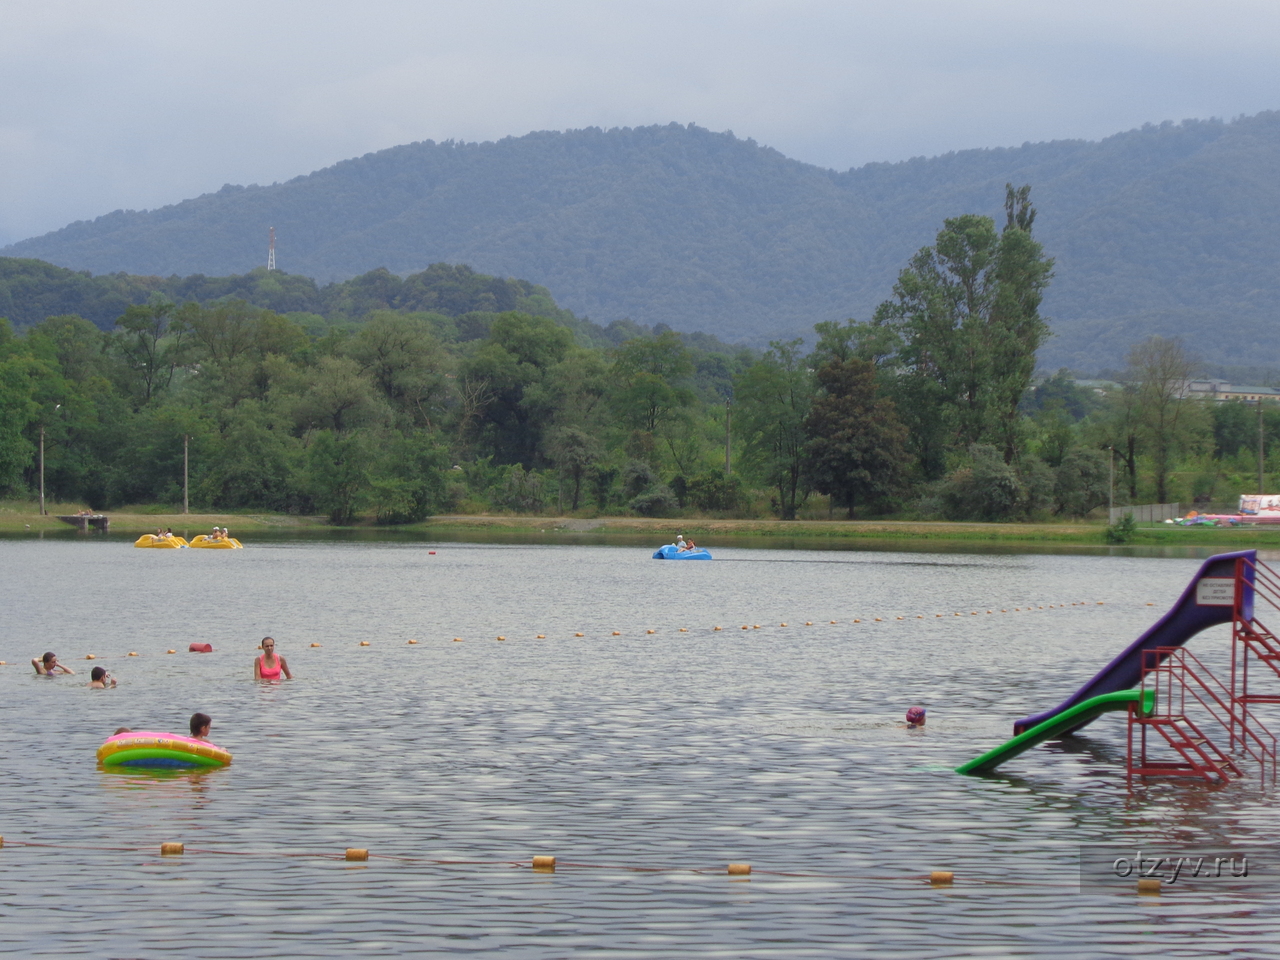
644	762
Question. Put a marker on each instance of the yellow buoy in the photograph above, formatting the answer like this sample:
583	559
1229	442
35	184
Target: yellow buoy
578	634
544	864
541	636
651	631
782	624
502	638
314	645
413	641
357	853
739	869
941	878
684	629
617	633
171	849
364	643
808	623
1149	885
717	628
833	621
175	651
90	656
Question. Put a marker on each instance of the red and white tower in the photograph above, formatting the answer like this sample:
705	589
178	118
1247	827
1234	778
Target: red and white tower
271	250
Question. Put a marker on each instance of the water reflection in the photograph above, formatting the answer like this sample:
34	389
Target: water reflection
680	752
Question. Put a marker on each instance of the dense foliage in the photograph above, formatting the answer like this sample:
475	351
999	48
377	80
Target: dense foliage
394	399
1163	230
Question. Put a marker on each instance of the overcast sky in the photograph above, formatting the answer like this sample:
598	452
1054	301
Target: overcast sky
139	104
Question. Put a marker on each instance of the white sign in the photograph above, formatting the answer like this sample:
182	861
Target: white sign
1216	591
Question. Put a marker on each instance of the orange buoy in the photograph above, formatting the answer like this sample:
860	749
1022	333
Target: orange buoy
357	853
544	864
171	849
314	645
739	869
941	878
364	643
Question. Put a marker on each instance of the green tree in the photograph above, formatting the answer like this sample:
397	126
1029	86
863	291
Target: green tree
966	311
856	449
151	347
1159	370
771	402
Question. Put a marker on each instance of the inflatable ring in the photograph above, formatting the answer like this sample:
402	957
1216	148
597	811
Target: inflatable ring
147	748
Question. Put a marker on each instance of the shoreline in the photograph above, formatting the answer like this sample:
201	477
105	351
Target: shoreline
567	529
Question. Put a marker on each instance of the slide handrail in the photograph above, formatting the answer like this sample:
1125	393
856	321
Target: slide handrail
1184	620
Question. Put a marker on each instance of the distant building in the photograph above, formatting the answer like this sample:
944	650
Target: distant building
1222	390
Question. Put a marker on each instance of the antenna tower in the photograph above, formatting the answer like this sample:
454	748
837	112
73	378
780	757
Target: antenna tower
271	250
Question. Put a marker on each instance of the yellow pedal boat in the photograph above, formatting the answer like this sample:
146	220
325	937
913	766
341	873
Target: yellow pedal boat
208	543
172	542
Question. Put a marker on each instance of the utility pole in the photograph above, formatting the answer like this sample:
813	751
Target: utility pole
1111	483
1261	453
185	464
728	462
42	513
271	250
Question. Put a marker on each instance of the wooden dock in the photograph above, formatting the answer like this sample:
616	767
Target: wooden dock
82	522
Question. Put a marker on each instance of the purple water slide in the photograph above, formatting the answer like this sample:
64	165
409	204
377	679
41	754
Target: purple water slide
1199	608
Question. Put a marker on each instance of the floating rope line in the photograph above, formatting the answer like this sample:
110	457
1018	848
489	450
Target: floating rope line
542	864
649	631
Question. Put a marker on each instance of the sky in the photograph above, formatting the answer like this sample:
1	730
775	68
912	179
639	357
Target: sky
135	105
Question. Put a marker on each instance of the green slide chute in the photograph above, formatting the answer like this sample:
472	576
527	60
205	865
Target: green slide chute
1059	724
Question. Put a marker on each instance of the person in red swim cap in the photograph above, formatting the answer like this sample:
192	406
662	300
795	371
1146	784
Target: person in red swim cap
915	717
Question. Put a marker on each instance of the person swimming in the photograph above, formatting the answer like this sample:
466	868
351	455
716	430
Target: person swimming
48	665
200	724
915	717
99	679
269	666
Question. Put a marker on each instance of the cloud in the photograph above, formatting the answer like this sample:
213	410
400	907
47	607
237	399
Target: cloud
139	104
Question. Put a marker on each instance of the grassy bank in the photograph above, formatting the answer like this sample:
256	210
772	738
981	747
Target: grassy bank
22	518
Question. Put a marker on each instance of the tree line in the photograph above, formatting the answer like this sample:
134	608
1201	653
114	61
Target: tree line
926	409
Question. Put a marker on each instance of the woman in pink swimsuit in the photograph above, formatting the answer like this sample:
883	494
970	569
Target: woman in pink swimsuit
269	666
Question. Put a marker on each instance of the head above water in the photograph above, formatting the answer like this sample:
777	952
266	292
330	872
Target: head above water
915	715
49	658
97	673
200	723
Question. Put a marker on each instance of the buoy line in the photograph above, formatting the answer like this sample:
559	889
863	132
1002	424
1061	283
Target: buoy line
541	863
649	631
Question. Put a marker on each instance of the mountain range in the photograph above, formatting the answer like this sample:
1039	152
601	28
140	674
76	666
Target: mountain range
1167	229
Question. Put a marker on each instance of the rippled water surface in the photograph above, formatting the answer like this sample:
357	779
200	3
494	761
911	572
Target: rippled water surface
645	762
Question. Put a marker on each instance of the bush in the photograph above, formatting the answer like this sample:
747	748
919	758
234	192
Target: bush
658	502
714	491
1122	531
987	490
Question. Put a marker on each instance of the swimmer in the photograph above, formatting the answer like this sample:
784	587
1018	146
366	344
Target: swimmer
200	724
99	679
120	730
269	666
48	666
915	718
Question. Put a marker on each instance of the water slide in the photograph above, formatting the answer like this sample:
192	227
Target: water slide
1207	602
1057	725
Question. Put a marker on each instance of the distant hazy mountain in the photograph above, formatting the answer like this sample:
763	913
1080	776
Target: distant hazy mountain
1169	229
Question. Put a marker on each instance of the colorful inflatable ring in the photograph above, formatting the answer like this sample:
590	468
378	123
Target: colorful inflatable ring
147	748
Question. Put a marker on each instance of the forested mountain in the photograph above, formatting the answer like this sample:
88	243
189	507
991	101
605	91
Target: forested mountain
1167	229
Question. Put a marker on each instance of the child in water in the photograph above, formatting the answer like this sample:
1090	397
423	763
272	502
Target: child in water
200	724
48	665
915	718
99	679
